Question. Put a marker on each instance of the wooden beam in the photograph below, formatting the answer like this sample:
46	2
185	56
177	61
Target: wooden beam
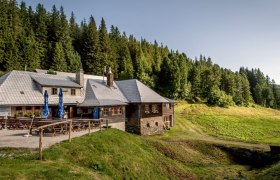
88	127
53	124
70	129
41	144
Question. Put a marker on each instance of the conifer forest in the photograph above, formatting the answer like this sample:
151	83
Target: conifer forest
35	38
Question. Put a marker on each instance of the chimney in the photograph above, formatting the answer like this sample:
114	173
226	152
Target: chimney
80	77
110	78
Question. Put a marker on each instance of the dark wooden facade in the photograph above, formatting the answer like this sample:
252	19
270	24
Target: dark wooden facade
149	118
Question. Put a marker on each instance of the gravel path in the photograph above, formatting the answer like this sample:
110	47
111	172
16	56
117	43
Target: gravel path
15	138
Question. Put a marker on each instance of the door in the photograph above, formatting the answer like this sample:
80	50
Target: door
95	113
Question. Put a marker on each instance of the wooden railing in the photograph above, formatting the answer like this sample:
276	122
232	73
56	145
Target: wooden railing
41	130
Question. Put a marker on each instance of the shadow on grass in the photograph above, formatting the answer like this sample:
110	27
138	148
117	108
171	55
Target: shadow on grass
252	158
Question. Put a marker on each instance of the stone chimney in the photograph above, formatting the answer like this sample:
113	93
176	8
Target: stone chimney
110	78
80	77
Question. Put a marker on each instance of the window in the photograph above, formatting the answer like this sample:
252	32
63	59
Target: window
85	111
170	106
106	112
156	123
73	92
54	91
18	108
37	107
155	108
117	111
28	108
148	124
147	109
167	106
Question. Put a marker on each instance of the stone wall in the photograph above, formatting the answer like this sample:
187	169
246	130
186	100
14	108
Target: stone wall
152	126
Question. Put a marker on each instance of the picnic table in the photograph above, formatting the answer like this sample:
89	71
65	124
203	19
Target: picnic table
83	124
54	130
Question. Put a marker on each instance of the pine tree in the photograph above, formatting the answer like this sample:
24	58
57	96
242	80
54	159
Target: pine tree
29	52
105	56
41	35
59	62
90	52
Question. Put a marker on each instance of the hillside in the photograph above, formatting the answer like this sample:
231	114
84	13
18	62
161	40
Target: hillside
185	152
248	124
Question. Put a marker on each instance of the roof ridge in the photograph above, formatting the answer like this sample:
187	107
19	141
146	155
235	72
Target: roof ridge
92	90
5	77
123	96
136	82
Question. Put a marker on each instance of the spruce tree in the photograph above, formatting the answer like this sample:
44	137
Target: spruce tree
59	62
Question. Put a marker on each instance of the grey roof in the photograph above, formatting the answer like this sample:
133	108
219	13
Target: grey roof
52	81
137	92
19	88
170	100
99	94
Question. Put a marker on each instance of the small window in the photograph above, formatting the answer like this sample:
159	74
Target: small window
117	111
28	108
37	107
18	108
85	111
54	91
147	109
148	124
170	106
156	123
155	108
73	92
106	112
167	106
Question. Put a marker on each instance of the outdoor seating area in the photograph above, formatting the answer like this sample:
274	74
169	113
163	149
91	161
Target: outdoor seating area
25	123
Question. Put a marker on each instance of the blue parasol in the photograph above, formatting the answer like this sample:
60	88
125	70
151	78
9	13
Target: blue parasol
46	110
60	112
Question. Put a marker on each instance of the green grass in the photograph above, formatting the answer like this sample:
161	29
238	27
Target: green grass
103	155
120	155
239	123
178	154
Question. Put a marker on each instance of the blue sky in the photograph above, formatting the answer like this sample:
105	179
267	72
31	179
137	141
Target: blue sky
233	33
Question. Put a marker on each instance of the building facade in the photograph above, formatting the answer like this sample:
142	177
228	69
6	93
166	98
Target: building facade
139	108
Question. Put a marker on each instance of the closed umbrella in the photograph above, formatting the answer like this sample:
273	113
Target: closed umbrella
60	112
46	110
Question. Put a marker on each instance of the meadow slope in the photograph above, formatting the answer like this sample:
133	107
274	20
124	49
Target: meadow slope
179	154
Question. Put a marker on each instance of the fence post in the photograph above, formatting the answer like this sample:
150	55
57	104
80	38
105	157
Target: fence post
107	123
70	129
41	145
88	127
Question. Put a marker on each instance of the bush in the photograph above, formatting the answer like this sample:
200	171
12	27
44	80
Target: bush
50	71
219	98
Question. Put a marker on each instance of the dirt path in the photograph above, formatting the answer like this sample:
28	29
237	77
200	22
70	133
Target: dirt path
15	138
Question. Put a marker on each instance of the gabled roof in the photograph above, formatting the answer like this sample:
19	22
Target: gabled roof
52	81
99	94
19	88
23	88
137	92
